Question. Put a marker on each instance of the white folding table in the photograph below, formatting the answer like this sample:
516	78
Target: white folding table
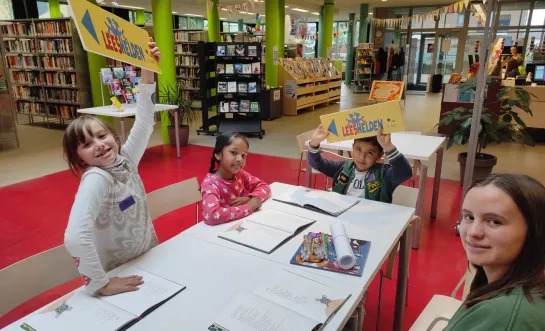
384	225
129	110
414	147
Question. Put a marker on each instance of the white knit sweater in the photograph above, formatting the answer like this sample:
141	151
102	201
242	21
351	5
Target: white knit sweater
100	236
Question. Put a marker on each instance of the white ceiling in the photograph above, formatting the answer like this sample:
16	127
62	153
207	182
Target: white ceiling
342	7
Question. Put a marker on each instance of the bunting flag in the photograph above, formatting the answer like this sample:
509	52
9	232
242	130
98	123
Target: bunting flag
456	7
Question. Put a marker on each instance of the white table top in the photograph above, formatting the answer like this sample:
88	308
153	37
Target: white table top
129	110
412	146
380	223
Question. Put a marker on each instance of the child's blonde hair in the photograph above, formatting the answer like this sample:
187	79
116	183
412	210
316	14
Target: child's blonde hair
75	135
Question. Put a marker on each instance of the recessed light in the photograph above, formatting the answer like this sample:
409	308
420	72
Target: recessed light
370	13
301	10
193	15
315	13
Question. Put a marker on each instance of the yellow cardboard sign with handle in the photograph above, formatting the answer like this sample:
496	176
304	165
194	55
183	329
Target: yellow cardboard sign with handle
104	33
364	121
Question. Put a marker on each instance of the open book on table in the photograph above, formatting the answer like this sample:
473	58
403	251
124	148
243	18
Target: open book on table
81	311
265	230
330	203
285	302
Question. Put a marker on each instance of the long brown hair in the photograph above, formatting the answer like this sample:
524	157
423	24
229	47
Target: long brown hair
528	269
75	135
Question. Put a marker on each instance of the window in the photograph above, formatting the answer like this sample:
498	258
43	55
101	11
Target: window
538	15
6	10
149	17
424	22
182	20
452	20
514	14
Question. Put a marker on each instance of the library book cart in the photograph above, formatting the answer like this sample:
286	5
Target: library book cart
47	70
238	70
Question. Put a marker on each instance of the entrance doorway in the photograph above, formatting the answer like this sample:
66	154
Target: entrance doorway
422	52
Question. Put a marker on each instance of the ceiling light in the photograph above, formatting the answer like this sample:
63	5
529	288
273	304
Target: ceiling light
315	13
302	10
370	13
129	7
242	12
286	6
193	15
175	12
252	14
224	9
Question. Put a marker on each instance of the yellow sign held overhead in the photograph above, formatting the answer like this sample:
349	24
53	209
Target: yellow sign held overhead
104	33
364	121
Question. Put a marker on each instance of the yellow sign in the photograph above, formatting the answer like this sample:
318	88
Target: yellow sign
364	121
116	103
106	34
386	91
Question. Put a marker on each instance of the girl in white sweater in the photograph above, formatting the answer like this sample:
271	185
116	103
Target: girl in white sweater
109	222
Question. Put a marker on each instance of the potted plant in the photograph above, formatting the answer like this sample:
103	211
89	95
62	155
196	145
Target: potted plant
174	95
504	126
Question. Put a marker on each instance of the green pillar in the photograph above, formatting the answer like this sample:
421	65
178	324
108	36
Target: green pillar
213	21
327	35
140	17
98	92
271	42
320	31
282	25
364	12
54	9
350	51
240	25
164	37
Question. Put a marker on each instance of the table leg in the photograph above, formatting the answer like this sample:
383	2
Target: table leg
402	277
308	173
123	137
436	182
420	204
177	133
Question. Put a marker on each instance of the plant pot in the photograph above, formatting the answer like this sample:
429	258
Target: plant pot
483	166
183	135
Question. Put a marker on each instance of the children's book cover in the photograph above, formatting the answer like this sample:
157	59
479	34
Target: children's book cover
241	51
220	50
252	51
231	50
220	68
238	68
317	251
244	106
252	87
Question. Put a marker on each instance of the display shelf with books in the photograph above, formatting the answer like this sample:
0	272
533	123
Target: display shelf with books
238	69
308	82
47	69
205	98
363	69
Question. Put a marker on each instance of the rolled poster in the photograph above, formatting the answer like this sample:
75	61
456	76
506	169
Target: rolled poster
341	242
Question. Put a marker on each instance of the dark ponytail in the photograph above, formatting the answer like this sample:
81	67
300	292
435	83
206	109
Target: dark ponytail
223	140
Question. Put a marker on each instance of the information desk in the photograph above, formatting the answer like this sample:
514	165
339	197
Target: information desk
535	124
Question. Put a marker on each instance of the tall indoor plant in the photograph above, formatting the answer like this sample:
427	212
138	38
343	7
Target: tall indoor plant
187	115
503	126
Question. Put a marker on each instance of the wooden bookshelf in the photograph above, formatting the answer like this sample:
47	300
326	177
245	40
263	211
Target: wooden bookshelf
188	65
305	93
47	69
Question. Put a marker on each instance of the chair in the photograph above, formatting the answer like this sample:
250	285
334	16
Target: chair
407	197
441	308
34	275
172	197
301	144
413	164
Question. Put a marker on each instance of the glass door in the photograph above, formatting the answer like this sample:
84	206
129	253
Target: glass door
421	54
446	56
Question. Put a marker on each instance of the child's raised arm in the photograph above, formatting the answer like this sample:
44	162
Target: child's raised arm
138	139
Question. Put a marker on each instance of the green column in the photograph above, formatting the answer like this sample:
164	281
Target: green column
282	23
362	34
54	9
350	51
320	31
240	25
98	92
271	42
327	31
140	17
213	21
164	37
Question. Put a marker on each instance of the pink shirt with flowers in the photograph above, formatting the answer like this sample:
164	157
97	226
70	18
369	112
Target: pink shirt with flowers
218	192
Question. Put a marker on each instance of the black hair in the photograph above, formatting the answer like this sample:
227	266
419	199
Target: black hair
528	269
371	140
223	140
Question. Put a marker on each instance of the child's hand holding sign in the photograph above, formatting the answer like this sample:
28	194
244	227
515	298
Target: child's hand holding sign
318	136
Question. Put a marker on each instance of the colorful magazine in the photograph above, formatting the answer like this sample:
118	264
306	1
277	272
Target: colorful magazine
317	260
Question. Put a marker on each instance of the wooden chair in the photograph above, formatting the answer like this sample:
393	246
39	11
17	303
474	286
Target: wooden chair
32	276
172	197
441	308
301	144
407	197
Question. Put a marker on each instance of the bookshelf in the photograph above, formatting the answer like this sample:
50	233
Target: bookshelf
308	82
363	69
207	93
238	69
47	70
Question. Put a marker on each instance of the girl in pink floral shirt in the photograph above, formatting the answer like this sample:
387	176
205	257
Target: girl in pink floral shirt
228	192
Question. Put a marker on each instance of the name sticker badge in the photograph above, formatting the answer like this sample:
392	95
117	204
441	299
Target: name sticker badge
125	204
343	178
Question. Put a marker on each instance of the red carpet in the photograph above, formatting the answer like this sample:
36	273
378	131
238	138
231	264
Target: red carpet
34	215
